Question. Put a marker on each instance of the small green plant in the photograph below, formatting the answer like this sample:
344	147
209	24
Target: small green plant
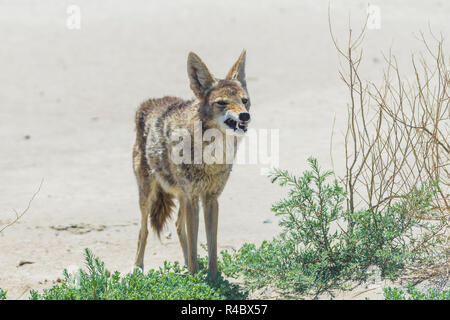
2	294
170	282
414	294
317	250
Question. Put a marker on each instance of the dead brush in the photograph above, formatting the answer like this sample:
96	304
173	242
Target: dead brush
396	139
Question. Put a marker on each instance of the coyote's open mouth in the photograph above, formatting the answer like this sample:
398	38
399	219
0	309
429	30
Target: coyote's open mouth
235	125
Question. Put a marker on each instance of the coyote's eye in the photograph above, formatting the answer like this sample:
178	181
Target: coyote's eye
221	102
244	100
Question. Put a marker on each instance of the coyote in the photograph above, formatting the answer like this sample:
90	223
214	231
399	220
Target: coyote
221	104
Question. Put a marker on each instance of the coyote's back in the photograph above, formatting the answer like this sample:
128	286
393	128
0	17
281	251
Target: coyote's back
162	203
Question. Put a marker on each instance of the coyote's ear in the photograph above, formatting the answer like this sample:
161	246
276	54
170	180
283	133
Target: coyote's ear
199	76
238	70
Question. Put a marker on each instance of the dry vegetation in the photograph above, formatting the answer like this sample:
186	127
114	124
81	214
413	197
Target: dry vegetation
396	138
19	215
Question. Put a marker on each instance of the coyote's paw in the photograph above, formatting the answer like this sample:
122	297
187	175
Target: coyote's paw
139	268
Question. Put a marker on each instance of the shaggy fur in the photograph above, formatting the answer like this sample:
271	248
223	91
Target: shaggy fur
160	180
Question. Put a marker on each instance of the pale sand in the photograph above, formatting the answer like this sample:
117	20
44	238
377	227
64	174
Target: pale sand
74	92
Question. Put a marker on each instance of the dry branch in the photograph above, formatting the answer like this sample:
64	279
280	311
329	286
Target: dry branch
397	135
20	215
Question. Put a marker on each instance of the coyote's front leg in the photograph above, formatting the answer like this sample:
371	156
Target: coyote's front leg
211	212
181	231
191	211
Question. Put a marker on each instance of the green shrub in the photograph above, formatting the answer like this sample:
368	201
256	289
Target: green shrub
169	282
414	294
316	249
2	294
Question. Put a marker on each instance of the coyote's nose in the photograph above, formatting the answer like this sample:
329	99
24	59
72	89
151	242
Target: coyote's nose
244	116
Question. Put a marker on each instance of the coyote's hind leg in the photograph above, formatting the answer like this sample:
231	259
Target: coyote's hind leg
144	182
144	204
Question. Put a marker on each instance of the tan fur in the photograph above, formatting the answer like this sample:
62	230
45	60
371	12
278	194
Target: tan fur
160	180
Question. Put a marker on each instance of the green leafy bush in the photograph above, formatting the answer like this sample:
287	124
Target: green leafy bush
169	282
414	294
317	250
2	294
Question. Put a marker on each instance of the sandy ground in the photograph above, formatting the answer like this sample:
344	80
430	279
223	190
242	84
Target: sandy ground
68	97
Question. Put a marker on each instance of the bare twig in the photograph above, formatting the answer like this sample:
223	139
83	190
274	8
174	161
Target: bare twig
397	134
20	215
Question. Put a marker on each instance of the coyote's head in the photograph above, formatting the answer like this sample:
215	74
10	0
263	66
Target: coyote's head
225	103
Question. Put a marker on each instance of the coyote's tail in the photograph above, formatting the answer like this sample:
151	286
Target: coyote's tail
161	209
